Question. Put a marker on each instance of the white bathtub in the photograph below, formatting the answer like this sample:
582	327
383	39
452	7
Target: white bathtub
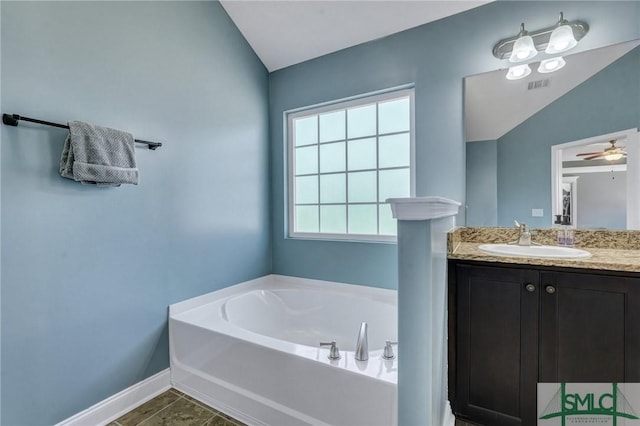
251	350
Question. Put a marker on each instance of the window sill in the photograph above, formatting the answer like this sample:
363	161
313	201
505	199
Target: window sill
344	238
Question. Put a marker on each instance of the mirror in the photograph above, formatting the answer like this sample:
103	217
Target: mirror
596	181
512	125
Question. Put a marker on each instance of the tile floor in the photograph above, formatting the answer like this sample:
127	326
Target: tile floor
174	408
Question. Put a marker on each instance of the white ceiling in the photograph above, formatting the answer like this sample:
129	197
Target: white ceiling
284	33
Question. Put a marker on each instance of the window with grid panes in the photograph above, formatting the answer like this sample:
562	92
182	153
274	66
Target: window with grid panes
345	160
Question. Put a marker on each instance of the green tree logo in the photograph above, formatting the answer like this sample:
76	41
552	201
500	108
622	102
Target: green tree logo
613	404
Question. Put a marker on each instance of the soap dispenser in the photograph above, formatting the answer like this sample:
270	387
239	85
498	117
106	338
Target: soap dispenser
568	231
557	224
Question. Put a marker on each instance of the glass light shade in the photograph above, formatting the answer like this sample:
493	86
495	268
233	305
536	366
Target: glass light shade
518	72
523	49
613	157
561	40
551	65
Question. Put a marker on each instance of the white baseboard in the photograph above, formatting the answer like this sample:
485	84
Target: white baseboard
116	405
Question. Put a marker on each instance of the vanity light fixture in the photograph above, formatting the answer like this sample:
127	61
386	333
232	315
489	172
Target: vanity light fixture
560	37
523	47
519	71
551	65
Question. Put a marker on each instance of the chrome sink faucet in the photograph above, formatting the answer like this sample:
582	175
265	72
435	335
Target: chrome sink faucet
362	345
524	239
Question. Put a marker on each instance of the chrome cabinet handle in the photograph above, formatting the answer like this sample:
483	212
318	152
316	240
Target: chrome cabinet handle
530	287
550	289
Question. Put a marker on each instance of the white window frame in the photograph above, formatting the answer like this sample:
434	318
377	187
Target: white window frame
356	101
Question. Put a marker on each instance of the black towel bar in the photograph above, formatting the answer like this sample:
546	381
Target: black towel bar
13	119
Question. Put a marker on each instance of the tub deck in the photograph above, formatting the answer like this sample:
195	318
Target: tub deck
264	380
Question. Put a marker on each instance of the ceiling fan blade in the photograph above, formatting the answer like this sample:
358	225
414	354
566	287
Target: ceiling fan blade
588	153
601	154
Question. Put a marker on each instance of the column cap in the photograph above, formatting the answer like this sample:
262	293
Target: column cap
422	208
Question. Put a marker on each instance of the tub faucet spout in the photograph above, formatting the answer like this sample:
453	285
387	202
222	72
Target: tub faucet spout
362	345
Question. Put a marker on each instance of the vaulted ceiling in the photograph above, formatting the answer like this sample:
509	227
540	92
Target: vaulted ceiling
284	33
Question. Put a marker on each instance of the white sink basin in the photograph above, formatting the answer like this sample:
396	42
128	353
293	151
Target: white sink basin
552	252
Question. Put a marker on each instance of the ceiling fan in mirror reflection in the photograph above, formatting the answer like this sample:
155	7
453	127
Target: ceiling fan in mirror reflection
611	153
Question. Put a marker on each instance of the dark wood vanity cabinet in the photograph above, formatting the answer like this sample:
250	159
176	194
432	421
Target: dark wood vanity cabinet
589	328
513	326
493	342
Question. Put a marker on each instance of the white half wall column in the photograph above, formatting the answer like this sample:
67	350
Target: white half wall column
423	223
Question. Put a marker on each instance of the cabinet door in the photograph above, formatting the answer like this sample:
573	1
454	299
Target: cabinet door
590	328
496	344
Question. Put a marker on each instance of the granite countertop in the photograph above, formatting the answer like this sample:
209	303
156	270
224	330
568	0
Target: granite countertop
610	250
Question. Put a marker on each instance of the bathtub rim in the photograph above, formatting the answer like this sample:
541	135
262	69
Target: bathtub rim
376	368
267	281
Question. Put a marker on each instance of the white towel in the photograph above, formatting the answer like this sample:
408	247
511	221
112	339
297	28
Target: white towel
98	155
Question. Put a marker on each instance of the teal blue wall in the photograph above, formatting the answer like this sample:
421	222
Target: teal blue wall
88	273
482	183
607	102
436	57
